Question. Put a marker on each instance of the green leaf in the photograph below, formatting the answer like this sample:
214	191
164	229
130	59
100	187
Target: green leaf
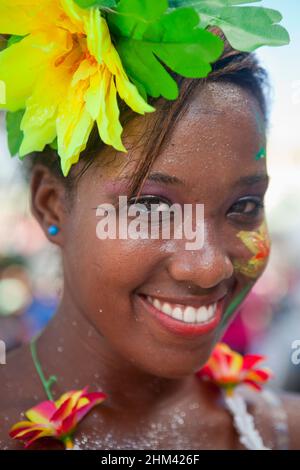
246	27
140	87
212	3
53	144
132	17
148	36
96	3
14	39
14	133
3	42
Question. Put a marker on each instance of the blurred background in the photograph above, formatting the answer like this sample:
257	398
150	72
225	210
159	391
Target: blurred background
269	319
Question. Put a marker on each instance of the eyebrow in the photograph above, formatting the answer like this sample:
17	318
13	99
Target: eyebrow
159	177
253	179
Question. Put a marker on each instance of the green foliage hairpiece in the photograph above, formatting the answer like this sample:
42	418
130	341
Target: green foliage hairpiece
61	72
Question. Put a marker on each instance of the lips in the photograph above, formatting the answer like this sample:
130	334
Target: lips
184	319
186	313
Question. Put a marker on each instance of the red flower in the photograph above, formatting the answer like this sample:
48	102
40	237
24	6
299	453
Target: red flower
227	369
57	419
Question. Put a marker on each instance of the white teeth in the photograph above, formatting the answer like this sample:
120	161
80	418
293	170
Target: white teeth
190	315
187	314
177	313
202	314
166	308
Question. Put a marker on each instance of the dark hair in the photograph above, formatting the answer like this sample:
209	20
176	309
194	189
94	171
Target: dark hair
240	68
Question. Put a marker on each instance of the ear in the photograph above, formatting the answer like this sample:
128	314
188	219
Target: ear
48	202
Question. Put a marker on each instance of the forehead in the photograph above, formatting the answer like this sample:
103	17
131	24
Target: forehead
222	118
217	138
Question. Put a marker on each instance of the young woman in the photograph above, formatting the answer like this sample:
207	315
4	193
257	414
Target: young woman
122	325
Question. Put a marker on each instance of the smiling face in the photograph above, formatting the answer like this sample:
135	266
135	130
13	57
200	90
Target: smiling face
129	289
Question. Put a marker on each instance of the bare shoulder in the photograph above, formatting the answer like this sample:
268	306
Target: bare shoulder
283	409
276	416
19	390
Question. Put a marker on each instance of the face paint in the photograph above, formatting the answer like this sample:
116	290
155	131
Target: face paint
235	304
261	154
258	242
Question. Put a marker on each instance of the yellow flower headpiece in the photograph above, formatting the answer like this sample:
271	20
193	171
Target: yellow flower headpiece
65	62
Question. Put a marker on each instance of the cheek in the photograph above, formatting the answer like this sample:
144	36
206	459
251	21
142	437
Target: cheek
106	272
102	266
123	265
257	246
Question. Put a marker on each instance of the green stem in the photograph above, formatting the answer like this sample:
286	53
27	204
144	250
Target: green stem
47	383
68	442
235	303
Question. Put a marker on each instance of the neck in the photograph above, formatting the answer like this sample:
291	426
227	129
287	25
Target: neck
73	350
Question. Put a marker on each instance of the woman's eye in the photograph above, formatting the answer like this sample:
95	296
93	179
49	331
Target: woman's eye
250	208
150	204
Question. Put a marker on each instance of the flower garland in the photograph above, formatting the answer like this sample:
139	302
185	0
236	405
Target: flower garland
226	368
64	64
229	369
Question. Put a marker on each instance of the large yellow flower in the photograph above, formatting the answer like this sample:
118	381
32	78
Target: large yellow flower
66	73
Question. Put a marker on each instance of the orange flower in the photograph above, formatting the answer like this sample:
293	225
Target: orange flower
57	419
227	369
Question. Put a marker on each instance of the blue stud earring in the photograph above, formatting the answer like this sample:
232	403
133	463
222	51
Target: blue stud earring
53	230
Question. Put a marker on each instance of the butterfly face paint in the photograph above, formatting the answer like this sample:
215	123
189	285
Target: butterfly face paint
258	243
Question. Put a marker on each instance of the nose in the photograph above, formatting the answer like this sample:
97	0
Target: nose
206	267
